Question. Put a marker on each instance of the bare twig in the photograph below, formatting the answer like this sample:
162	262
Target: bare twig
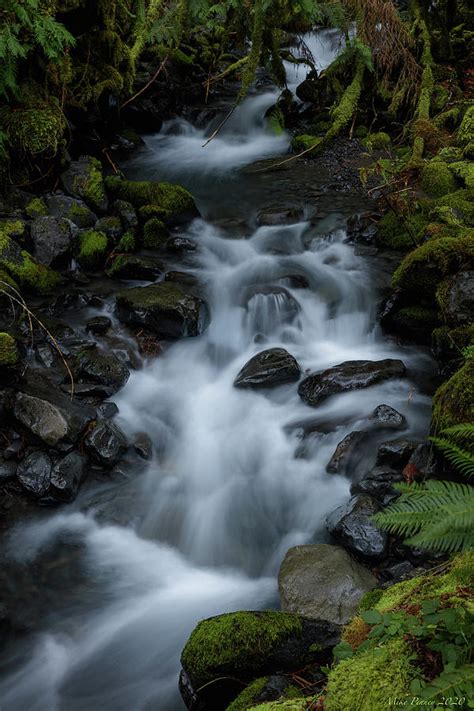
220	126
149	82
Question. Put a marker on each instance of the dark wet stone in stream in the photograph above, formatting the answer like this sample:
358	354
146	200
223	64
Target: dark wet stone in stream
345	453
322	581
67	476
105	369
71	209
273	216
7	471
34	473
51	415
111	225
132	266
395	453
52	240
387	417
83	180
181	278
179	245
106	443
458	299
98	325
143	445
378	483
45	355
107	410
348	376
267	369
166	309
351	525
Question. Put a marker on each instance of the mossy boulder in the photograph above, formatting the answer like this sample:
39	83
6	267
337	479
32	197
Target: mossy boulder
127	243
224	651
92	249
83	179
464	170
422	269
8	350
14	227
395	233
377	141
415	322
110	225
24	270
453	402
132	266
447	344
465	132
36	208
73	209
265	691
155	234
456	208
455	297
437	179
174	203
165	309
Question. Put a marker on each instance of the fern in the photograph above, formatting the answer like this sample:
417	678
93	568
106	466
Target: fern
437	515
451	683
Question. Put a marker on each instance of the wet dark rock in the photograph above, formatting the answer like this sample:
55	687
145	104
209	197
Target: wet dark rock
98	325
111	226
67	476
45	355
107	410
311	89
89	390
165	309
285	643
348	376
345	453
425	460
52	240
397	571
178	245
71	209
294	281
34	473
267	369
267	305
378	483
143	445
273	216
457	298
83	179
386	417
362	228
99	367
396	452
7	471
106	443
352	527
51	415
182	278
322	581
127	214
132	266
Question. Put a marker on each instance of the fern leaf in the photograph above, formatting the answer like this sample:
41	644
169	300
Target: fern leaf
455	682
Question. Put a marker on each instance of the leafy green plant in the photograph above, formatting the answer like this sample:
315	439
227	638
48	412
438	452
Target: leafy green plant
437	515
25	27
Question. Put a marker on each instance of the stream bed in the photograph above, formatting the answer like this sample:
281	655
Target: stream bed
119	579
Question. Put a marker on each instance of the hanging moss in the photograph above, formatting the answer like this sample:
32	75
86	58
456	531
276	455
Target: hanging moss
8	350
426	89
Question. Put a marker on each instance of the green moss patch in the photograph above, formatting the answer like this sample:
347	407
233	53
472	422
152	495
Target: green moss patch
8	350
453	403
24	270
37	208
92	249
248	697
237	640
392	232
171	200
437	179
460	206
466	130
155	234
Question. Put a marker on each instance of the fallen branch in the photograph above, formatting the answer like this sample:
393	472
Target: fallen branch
220	126
149	82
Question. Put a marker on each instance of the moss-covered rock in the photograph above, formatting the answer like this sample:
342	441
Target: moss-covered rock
92	249
456	208
175	204
305	141
465	132
132	266
36	208
83	179
127	243
24	270
437	179
453	402
249	696
416	322
302	704
8	350
155	234
365	682
424	267
13	227
377	141
464	170
447	344
72	209
395	233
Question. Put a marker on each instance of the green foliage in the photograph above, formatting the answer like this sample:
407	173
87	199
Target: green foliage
438	515
26	29
437	179
8	349
92	249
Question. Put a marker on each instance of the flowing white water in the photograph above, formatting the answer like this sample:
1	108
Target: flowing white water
225	496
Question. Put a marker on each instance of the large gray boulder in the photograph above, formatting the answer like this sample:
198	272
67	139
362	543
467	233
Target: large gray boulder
347	376
166	309
52	417
52	240
323	582
267	369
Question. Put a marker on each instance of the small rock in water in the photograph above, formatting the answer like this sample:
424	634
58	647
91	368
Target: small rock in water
98	325
348	376
323	581
345	453
378	483
107	410
269	368
34	473
385	416
181	244
102	368
351	525
395	453
143	445
274	216
106	443
67	476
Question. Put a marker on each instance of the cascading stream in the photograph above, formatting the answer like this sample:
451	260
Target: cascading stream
233	483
